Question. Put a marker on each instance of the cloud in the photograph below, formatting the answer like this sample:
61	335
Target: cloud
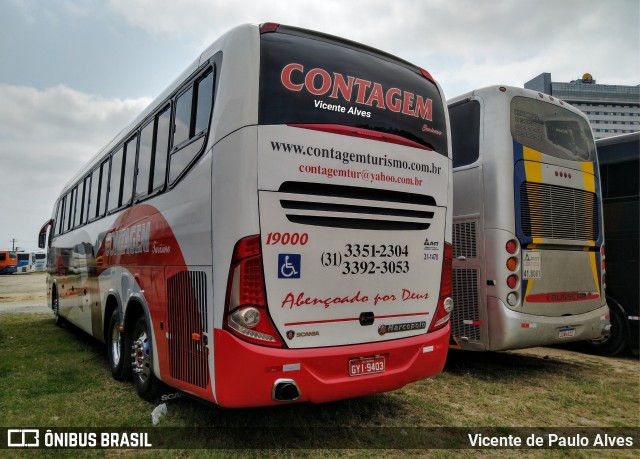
46	136
565	38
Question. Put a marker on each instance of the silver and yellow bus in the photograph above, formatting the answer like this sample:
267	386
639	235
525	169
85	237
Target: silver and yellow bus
528	251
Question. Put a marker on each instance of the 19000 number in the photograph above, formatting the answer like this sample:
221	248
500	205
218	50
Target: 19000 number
370	267
287	238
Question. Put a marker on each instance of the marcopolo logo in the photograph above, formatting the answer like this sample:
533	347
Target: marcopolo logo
395	328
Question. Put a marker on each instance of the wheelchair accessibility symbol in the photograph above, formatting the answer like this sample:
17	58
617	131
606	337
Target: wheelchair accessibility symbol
289	266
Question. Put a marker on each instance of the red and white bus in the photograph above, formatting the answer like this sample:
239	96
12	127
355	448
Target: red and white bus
274	227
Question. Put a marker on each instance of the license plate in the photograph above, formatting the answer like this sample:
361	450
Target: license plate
366	366
566	333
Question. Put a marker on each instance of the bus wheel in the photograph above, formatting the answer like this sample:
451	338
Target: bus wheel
144	379
117	349
55	305
614	342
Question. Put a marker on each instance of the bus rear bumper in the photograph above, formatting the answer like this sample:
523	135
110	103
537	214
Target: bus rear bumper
515	330
246	374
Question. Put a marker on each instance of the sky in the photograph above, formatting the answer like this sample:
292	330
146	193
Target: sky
73	73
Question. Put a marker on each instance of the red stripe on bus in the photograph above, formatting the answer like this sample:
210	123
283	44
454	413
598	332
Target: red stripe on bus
348	319
562	297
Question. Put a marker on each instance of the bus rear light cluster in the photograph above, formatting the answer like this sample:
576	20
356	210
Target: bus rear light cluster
445	302
246	314
512	247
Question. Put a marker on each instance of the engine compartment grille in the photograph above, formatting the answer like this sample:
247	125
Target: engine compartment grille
341	206
466	311
555	212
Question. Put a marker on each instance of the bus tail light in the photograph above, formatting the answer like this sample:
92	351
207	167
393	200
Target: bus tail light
445	302
269	27
246	314
512	247
427	75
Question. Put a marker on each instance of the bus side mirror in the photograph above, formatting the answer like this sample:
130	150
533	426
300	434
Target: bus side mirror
42	236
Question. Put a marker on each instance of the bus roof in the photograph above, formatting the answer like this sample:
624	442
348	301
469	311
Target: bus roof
618	148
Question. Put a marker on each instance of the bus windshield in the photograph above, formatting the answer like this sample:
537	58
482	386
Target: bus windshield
552	130
308	80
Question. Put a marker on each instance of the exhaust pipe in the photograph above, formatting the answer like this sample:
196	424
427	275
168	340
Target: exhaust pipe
285	390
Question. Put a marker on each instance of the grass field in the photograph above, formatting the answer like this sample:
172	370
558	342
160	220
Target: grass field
59	378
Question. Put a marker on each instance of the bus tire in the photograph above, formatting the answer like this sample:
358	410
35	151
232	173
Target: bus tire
615	341
144	380
55	307
118	349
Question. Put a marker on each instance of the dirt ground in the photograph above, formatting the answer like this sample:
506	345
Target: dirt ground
624	362
24	293
27	293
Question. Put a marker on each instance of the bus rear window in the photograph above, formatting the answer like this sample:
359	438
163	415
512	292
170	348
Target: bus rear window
315	80
552	130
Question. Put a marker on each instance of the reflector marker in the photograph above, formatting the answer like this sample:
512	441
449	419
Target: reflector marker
527	325
477	323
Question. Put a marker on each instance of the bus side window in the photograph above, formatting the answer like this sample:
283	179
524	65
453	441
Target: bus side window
87	194
77	221
193	114
182	123
63	207
465	132
115	180
104	186
129	165
152	155
161	150
204	97
143	171
59	217
93	197
71	206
